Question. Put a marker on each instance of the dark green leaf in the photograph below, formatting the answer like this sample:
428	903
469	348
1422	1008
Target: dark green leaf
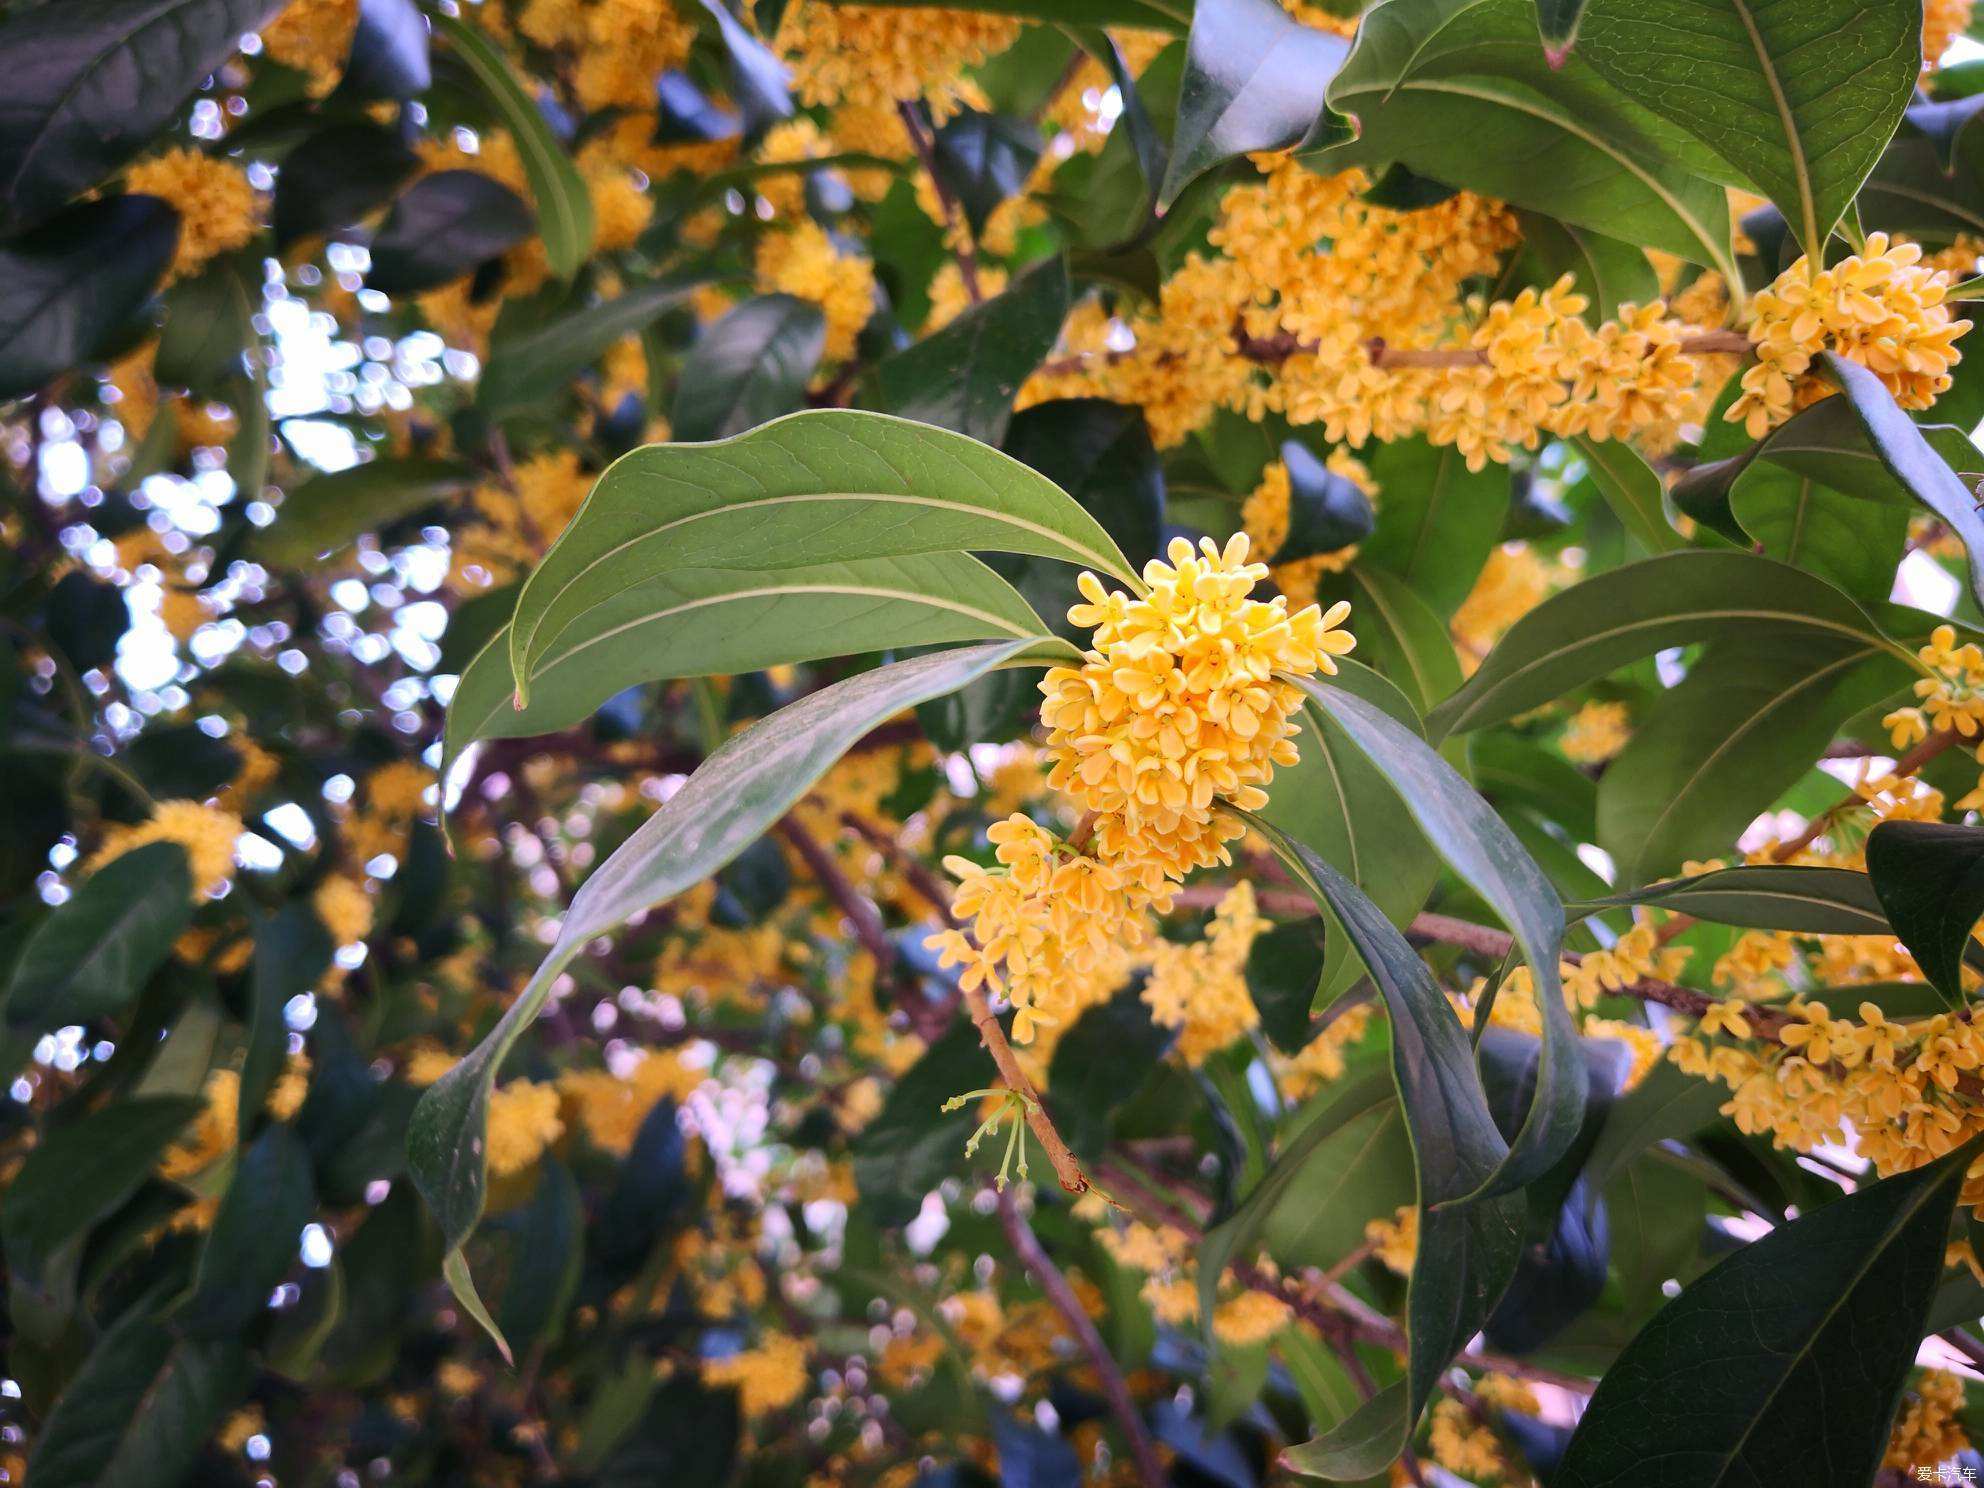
207	325
1326	511
1631	488
1254	80
1799	97
547	1253
1398	634
137	1412
389	56
911	1145
69	284
445	226
1100	454
94	81
86	619
1283	969
522	367
1087	1074
966	375
335	177
1930	878
1607	272
1811	1330
751	366
1666	1104
255	1235
1437	520
1767	896
329	512
292	951
1557	21
983	160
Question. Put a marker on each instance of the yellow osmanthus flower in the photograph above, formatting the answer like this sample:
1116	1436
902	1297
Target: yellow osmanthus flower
206	832
518	520
216	205
1320	1061
1181	701
949	298
1395	1241
1596	732
881	55
1951	696
768	1377
1048	927
345	909
313	36
805	262
611	1108
1929	1430
212	1133
1881	308
1943	21
1513	582
1201	989
523	1121
1250	1317
291	1088
1463	1445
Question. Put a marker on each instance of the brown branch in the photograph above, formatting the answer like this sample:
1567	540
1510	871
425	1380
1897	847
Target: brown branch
957	230
1908	764
1066	1168
1704	343
1115	1389
916	873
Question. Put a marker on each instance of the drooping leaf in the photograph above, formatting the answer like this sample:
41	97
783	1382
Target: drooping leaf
444	227
1479	846
739	791
1254	80
547	1258
1469	1233
68	285
208	323
1812	1329
1797	95
292	951
255	1235
522	366
1676	599
564	207
697	622
329	512
137	1412
1930	879
337	176
1459	91
818	487
1087	1070
752	366
965	376
94	81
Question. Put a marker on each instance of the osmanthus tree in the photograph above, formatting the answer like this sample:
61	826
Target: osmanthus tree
689	800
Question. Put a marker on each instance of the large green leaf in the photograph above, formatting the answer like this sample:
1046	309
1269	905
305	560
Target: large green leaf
67	286
138	1411
292	951
1631	488
1785	1363
1675	599
820	487
1749	720
329	512
89	956
1470	1232
965	376
522	369
1459	91
698	622
547	1256
1800	96
1437	520
1766	896
1795	519
1667	1103
1397	633
91	82
1478	845
1100	454
1608	272
1255	79
1930	879
1912	194
337	176
750	367
442	228
255	1234
564	207
746	785
209	320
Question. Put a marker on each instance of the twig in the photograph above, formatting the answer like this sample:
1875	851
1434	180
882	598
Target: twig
1115	1389
957	230
1908	764
1066	1168
1705	343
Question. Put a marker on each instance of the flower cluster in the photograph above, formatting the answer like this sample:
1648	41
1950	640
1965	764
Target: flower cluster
767	1378
1951	696
217	207
1881	307
879	55
1201	989
1595	733
206	832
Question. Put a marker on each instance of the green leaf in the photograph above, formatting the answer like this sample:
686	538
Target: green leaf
1437	520
1326	511
1666	1104
746	785
1459	91
1910	193
546	1257
138	1411
1557	22
67	286
911	1146
698	622
80	1173
1100	454
442	228
337	176
1470	1231
1752	714
95	81
208	322
1903	448
820	487
564	207
1094	1065
522	370
750	367
1812	1331
1798	95
1766	896
292	951
1397	633
966	376
327	513
1631	488
1608	272
1930	879
1254	80
1478	845
255	1235
1675	599
90	956
1795	519
984	160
